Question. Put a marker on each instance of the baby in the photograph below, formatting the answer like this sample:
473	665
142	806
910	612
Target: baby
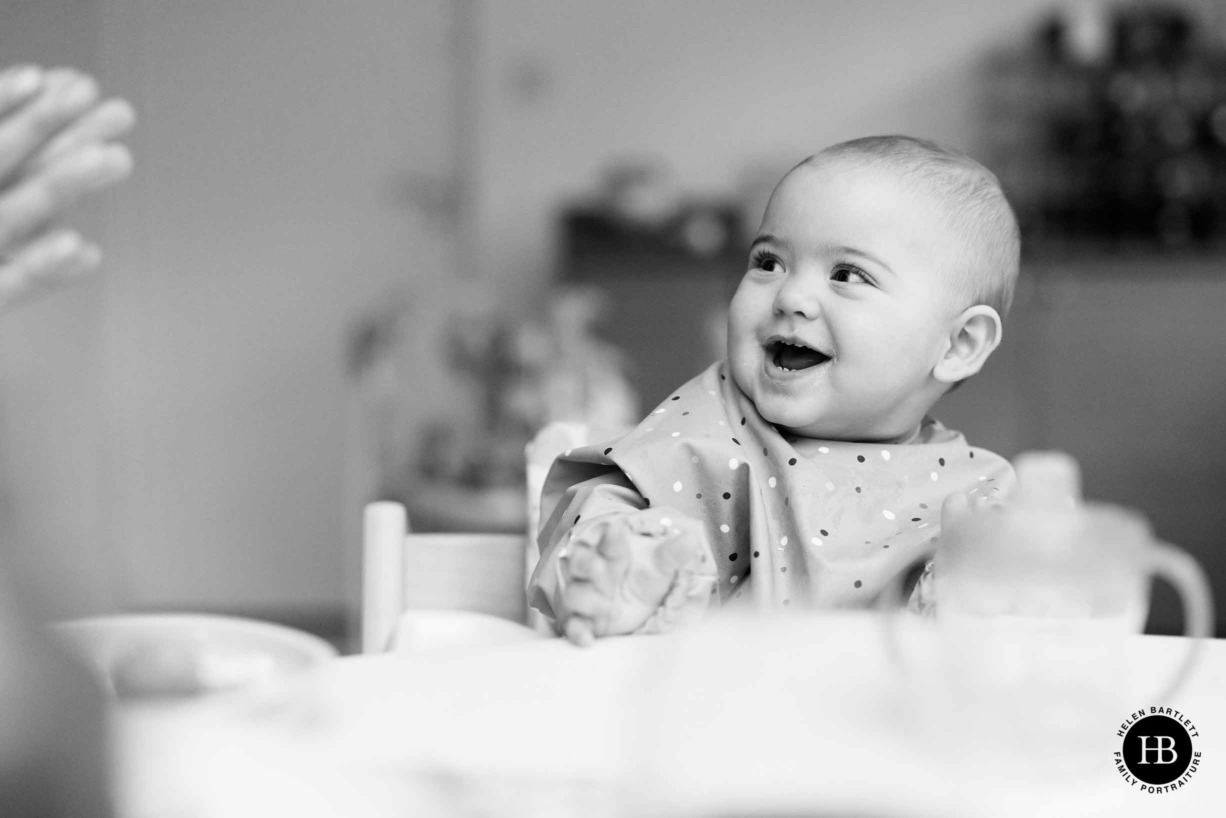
803	470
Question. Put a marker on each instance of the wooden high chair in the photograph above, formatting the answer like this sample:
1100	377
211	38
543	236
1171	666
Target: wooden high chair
471	572
479	573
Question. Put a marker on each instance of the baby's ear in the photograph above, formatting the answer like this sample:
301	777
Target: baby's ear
973	336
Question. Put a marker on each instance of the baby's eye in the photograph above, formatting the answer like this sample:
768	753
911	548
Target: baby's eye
767	262
846	273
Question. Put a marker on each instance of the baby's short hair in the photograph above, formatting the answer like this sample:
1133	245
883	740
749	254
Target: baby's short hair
973	203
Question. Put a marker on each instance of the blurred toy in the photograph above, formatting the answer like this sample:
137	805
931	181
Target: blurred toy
451	386
523	373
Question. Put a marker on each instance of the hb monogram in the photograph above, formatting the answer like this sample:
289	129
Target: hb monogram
1163	746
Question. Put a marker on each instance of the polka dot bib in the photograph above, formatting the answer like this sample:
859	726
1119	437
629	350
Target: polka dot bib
792	521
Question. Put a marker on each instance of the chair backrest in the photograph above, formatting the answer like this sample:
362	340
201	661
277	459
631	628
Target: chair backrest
478	572
401	571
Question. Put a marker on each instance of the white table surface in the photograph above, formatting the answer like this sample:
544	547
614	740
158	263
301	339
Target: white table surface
804	716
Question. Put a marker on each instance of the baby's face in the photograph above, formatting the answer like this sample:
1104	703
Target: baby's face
845	309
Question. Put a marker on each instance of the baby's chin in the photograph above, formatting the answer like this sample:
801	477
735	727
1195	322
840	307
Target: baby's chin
796	425
794	420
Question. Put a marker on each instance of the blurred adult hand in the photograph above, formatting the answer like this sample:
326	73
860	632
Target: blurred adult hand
57	145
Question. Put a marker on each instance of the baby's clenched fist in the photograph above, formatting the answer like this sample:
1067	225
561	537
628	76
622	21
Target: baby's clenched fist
617	570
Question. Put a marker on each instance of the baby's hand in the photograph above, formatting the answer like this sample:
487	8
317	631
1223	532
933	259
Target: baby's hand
617	569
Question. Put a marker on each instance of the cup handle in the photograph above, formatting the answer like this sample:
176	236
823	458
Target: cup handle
1178	568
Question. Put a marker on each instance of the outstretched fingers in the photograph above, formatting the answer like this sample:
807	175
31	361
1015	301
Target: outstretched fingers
65	95
29	206
51	260
18	84
106	122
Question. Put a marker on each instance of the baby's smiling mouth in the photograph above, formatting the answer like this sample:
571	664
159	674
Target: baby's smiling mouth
791	356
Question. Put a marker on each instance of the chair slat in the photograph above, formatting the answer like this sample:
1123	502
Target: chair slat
471	572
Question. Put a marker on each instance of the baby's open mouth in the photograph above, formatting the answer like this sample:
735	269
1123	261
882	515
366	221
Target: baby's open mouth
794	357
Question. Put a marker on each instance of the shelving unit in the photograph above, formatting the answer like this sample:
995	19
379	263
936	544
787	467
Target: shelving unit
1121	151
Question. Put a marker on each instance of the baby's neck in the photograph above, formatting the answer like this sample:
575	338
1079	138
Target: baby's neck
910	437
915	435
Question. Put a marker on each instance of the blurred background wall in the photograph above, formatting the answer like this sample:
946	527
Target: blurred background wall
180	432
724	92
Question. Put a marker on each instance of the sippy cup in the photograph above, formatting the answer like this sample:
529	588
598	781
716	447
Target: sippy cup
1047	562
1030	659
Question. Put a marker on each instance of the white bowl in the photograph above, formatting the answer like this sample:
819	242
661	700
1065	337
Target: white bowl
181	655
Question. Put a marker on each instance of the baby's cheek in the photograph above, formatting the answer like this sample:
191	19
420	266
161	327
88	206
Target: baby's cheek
741	379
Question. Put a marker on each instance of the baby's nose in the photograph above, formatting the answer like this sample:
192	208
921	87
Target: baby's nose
797	296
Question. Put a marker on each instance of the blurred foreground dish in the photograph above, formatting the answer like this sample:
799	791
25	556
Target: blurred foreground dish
166	656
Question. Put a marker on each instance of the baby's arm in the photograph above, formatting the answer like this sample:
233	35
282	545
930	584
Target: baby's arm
613	566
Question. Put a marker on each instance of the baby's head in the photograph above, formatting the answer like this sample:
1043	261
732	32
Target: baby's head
877	281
